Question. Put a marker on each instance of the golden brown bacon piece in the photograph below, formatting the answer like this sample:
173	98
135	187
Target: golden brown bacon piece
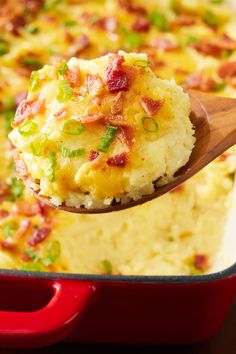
126	136
216	46
21	168
129	6
92	118
27	109
201	261
184	20
198	82
117	104
227	71
79	45
25	227
141	24
4	191
73	77
93	155
108	23
39	236
26	208
151	106
119	160
94	84
115	76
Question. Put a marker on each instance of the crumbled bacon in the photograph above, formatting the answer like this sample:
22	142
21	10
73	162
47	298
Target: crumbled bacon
151	106
4	191
119	160
61	113
27	109
8	245
198	82
73	77
20	97
39	236
26	208
126	136
93	155
117	104
33	6
25	226
4	213
116	78
115	119
94	84
184	20
227	69
79	45
201	261
216	46
92	118
141	24
15	24
165	44
129	6
108	23
21	168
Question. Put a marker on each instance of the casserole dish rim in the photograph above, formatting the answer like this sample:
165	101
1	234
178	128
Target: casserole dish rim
165	279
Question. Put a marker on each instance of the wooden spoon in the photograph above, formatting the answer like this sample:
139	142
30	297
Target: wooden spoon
214	120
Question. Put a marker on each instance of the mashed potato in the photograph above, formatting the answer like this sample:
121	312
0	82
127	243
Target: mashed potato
94	131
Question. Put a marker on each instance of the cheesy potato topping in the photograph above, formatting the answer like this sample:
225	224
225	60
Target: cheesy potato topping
193	42
91	131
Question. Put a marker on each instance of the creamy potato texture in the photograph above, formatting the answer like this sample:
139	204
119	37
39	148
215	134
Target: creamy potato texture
180	233
95	131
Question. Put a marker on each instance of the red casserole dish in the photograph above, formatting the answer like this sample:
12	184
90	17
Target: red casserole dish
112	309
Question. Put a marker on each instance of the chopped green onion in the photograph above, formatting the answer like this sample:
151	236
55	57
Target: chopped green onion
216	1
64	91
142	63
69	23
34	81
16	189
66	152
32	29
107	266
210	18
32	62
50	173
51	4
63	68
3	47
131	39
32	254
149	124
9	102
38	145
226	53
219	86
7	231
28	128
159	20
54	250
107	138
73	127
192	39
35	267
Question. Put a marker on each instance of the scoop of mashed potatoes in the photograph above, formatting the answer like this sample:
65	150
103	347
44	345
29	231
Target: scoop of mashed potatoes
93	132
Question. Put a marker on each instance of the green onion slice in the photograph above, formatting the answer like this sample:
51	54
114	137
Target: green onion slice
73	127
142	63
67	152
107	138
38	145
28	128
132	39
50	173
63	68
54	250
64	91
107	266
34	81
159	20
149	124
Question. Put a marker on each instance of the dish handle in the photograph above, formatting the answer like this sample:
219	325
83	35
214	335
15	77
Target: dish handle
51	323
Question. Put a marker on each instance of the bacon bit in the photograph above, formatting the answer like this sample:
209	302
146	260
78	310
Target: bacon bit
93	155
15	24
201	261
215	47
117	104
8	245
60	114
165	44
126	136
141	24
33	6
108	23
92	118
130	7
26	208
227	69
4	213
38	236
178	189
116	78
20	97
94	84
73	77
119	160
25	226
181	71
4	191
116	119
25	72
150	106
198	82
21	168
68	37
79	45
184	20
27	109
